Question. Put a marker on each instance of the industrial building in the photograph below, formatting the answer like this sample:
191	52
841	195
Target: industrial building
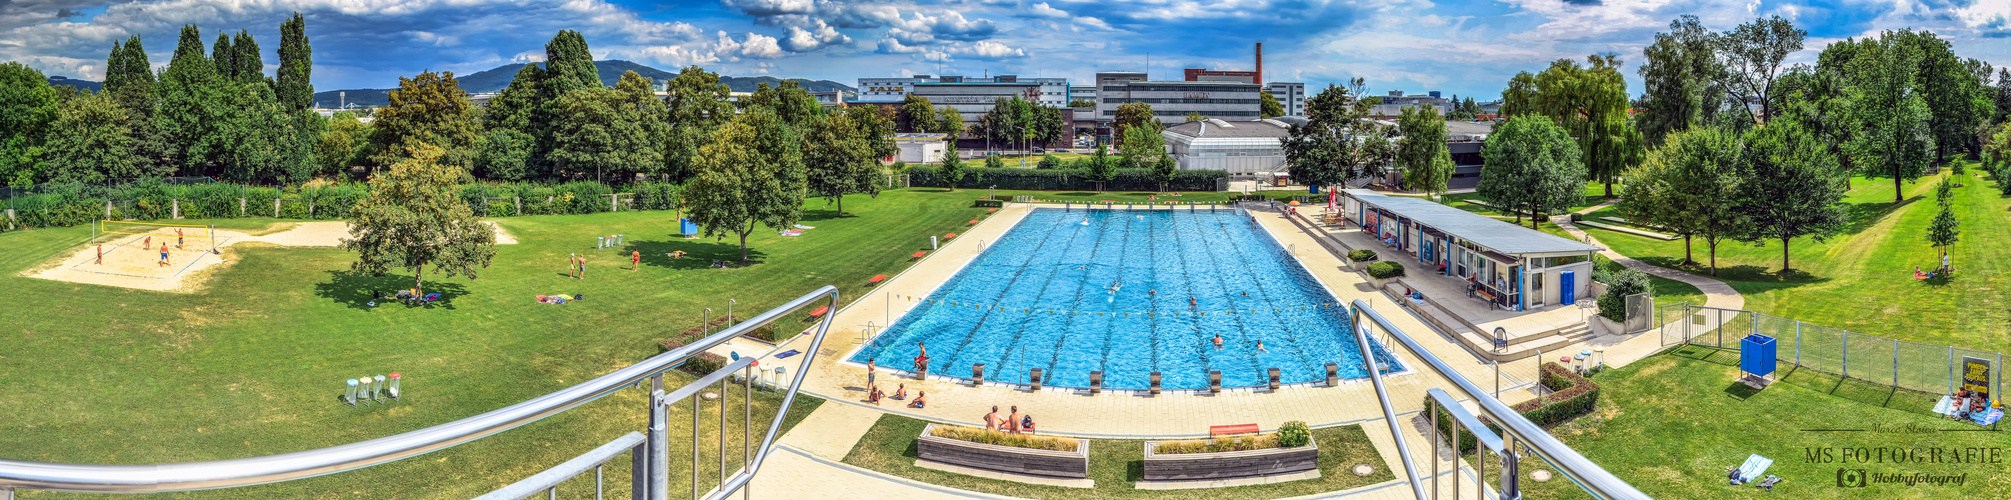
1243	147
972	97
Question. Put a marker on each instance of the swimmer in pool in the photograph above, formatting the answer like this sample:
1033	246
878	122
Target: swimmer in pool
1246	294
1152	292
1260	346
1218	341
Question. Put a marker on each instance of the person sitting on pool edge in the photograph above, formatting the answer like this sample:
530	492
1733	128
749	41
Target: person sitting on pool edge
1012	421
921	401
922	360
992	419
900	392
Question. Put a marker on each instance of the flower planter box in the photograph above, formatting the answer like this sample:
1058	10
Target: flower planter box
1005	459
1230	464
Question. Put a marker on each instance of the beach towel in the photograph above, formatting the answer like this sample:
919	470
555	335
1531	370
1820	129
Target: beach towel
1754	466
1946	406
800	226
788	353
1987	417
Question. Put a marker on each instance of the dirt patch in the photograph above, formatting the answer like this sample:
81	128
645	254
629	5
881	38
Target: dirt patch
135	260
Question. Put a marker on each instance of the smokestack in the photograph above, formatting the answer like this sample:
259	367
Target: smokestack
1259	78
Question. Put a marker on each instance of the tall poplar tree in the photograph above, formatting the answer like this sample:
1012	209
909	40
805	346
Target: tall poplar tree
296	65
245	55
191	106
223	58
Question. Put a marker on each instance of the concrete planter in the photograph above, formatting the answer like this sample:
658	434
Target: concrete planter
1230	464
1005	459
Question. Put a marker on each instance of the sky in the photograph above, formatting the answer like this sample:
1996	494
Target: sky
1465	47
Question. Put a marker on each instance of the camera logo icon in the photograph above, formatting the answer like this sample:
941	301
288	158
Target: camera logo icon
1851	478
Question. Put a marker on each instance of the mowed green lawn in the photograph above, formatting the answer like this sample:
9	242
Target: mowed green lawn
1670	424
1862	280
252	364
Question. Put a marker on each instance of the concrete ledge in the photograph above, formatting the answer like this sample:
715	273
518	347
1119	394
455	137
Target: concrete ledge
1225	483
1628	230
1003	476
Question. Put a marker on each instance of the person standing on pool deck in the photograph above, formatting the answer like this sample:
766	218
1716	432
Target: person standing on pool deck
922	361
869	373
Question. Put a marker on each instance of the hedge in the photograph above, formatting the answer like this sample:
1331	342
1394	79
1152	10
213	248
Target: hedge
58	205
1363	255
1572	395
1069	179
1386	270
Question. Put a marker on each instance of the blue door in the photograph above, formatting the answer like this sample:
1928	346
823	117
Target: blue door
1568	292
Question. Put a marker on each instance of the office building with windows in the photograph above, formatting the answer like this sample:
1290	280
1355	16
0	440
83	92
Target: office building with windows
972	97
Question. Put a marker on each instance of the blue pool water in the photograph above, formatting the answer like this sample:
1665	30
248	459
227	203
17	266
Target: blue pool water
1073	292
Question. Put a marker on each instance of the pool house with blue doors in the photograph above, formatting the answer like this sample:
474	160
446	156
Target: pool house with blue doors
1504	264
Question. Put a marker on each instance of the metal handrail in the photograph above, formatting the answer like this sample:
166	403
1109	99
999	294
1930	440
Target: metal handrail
188	476
1594	478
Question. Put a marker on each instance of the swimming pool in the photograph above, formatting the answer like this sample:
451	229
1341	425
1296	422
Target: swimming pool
1129	293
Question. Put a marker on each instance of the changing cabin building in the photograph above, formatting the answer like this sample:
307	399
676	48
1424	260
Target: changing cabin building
1511	266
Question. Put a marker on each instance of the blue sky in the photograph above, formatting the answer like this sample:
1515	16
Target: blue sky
1466	47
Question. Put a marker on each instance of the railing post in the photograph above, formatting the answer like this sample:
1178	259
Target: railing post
747	428
658	480
697	407
722	433
1433	406
1456	456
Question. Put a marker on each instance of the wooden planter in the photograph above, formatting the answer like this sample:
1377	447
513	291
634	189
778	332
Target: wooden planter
1005	459
1230	464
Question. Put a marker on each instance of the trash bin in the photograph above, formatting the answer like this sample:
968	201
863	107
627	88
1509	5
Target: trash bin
1756	355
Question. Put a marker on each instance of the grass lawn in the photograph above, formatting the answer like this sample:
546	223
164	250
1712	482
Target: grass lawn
1595	193
1670	424
252	364
1115	464
1862	280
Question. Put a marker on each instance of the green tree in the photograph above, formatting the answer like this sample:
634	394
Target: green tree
1788	188
1101	168
244	54
949	121
1591	103
95	144
130	81
697	105
1340	140
918	115
1945	230
1690	185
1268	106
1195	116
2002	96
224	58
1049	162
341	145
1894	136
952	168
1533	167
1081	103
1681	78
751	173
569	64
992	161
255	141
427	109
192	97
1143	145
1752	55
413	218
1163	170
1131	115
27	107
1520	97
611	130
789	102
840	157
296	65
1422	154
505	154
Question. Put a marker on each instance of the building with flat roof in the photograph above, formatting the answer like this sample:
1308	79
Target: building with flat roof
1290	95
972	97
1511	266
1238	147
919	147
1172	101
1217	75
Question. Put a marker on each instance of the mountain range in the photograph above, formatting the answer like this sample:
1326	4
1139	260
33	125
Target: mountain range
494	80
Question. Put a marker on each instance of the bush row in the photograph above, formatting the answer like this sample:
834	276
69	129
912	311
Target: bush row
1572	395
59	205
1385	270
1070	179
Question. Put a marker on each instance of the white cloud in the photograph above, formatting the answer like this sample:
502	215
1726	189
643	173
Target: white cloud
893	46
988	50
435	39
805	40
753	46
1043	10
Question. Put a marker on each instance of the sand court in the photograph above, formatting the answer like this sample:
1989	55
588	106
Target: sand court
134	260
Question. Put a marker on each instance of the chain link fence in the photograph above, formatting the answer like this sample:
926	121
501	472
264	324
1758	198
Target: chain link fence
1884	361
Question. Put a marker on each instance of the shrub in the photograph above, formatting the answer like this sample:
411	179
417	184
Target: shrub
657	195
293	209
1363	255
1294	434
1386	270
996	438
993	161
1066	179
1220	444
1573	396
1620	284
502	209
1049	162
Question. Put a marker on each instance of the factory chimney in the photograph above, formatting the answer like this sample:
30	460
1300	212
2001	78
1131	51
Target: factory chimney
1259	77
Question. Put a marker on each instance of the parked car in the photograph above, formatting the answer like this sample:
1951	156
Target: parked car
1061	150
1037	149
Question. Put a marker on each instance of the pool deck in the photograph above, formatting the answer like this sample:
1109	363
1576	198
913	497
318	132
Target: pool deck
1113	415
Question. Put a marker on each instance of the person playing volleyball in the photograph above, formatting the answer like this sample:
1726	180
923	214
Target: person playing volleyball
164	253
178	237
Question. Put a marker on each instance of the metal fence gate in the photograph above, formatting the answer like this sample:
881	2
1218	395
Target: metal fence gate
1870	358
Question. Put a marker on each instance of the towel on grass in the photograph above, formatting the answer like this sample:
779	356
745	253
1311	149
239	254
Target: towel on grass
800	226
1755	466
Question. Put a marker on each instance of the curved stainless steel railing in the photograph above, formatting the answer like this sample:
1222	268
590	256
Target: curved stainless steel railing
300	464
1591	476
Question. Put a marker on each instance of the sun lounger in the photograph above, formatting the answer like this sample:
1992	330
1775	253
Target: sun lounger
1755	466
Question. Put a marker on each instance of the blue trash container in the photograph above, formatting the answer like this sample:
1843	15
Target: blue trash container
687	227
1756	355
